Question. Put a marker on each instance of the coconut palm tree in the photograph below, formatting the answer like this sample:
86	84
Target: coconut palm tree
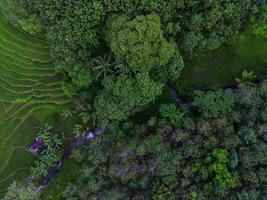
102	66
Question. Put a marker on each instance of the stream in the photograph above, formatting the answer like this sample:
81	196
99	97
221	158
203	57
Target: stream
78	141
75	143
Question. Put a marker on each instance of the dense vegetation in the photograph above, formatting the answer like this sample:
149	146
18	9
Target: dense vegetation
93	39
212	149
120	60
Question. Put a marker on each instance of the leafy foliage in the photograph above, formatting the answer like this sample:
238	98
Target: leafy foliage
142	35
116	56
139	43
21	192
123	96
246	77
51	154
66	112
260	27
102	66
71	28
80	76
217	163
172	114
213	104
17	12
215	157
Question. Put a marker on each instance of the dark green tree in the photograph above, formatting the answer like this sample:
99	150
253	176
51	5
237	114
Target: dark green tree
123	96
214	104
139	43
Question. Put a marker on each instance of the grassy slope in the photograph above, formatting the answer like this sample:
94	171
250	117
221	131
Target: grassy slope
227	63
29	93
68	173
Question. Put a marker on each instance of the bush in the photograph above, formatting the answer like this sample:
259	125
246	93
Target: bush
214	104
51	153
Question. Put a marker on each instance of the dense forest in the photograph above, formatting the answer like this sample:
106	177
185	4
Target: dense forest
133	99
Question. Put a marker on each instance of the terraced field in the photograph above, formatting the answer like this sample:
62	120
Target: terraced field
29	93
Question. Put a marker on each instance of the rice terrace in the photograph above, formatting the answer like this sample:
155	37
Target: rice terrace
133	100
29	92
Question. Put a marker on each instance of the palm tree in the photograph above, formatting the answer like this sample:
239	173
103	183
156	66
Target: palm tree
246	77
66	112
80	129
124	69
102	66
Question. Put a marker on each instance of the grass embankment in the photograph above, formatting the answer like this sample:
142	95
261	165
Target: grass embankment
29	94
222	66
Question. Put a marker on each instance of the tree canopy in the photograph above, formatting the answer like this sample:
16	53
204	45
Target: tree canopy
139	43
119	62
123	96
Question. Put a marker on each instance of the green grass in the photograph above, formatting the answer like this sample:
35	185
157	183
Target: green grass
222	66
30	94
68	173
